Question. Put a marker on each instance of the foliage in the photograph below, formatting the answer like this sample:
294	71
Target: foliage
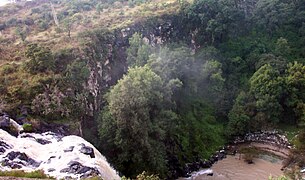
27	127
34	174
40	59
21	32
138	51
278	178
267	87
138	118
274	97
249	153
51	103
295	82
144	176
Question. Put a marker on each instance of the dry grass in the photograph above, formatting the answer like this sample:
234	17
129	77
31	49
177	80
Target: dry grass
118	16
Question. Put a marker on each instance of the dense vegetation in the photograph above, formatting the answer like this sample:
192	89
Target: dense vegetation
160	88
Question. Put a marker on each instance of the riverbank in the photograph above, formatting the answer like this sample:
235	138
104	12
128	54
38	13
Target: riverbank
268	143
234	168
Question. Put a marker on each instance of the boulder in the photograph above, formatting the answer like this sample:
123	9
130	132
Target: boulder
43	141
3	147
51	170
19	158
210	174
11	164
87	150
4	122
69	149
75	167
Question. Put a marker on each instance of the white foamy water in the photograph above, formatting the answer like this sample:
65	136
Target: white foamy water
3	2
52	155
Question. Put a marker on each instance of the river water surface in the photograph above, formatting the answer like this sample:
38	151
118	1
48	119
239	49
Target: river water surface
231	168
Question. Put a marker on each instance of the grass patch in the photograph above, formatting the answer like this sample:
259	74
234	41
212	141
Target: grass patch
18	173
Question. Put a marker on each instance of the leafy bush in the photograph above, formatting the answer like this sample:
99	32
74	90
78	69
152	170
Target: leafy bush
35	10
27	127
8	68
41	59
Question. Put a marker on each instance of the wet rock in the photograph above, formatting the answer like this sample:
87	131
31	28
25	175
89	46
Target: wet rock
87	150
2	150
43	141
75	167
69	149
39	140
51	170
4	122
11	164
20	159
210	174
17	155
50	158
5	145
267	137
27	136
206	164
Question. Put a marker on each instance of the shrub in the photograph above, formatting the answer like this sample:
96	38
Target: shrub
27	127
35	11
41	59
8	69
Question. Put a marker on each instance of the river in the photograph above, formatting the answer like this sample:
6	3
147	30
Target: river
233	168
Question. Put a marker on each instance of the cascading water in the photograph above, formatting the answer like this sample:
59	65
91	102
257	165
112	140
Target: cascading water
58	156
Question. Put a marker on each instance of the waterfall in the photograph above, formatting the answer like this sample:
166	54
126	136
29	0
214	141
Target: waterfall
58	156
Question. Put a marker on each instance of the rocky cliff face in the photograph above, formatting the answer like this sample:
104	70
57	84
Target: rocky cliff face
105	53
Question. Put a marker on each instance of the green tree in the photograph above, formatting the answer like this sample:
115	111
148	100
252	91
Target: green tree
282	47
172	63
212	74
134	120
138	51
239	118
77	73
295	81
68	24
267	86
22	32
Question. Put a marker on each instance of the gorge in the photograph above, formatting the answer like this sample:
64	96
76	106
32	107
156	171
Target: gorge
157	86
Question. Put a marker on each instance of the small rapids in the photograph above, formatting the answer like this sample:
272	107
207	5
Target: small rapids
58	156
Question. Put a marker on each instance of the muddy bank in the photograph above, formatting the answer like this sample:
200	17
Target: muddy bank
235	169
276	150
269	141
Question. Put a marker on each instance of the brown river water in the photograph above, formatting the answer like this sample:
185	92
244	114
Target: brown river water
231	168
